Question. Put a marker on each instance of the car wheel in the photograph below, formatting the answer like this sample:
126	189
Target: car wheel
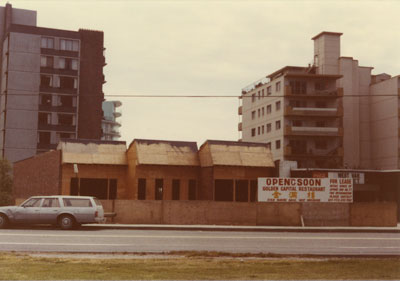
66	222
3	221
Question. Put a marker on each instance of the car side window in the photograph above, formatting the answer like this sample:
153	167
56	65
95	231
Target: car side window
51	203
34	202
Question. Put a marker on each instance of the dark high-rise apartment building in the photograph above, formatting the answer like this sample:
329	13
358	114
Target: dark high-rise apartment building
51	84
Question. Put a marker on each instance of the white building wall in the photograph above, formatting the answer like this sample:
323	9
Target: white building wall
351	107
365	122
261	120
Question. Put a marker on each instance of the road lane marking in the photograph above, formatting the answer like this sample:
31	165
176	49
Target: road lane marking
202	237
64	244
129	245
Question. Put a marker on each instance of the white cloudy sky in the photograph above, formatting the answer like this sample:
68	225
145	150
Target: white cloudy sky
214	48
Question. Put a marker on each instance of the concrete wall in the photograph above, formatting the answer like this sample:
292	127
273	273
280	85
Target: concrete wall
233	213
21	118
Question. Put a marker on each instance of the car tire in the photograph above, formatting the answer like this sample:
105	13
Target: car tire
3	221
66	222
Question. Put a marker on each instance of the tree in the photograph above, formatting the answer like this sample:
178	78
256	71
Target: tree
6	197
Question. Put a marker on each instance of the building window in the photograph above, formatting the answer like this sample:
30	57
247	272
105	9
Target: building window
175	189
297	123
47	43
259	113
66	119
278	125
262	91
320	104
159	189
253	132
65	136
269	127
45	80
69	45
269	92
44	138
320	144
66	82
269	109
253	97
66	101
268	145
47	61
278	86
44	118
258	131
192	189
67	63
298	87
320	124
142	189
259	96
45	99
278	144
253	115
262	129
278	105
263	111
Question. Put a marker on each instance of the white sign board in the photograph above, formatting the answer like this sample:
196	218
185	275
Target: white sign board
338	190
358	178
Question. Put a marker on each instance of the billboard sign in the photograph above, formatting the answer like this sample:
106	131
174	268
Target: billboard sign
335	190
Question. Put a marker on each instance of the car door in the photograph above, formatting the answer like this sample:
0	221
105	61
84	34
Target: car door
29	212
49	210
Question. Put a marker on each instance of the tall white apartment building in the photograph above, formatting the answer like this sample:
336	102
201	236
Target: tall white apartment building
331	114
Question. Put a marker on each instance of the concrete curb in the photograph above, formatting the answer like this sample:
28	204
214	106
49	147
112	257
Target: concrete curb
244	228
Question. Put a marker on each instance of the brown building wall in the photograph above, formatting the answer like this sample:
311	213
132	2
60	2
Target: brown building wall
39	175
117	172
167	174
91	81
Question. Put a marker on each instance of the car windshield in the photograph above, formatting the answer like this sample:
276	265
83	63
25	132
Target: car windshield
33	202
97	201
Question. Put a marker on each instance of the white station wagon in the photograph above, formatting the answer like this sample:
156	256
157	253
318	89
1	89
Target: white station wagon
65	211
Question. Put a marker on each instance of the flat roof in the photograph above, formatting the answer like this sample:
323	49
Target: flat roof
326	33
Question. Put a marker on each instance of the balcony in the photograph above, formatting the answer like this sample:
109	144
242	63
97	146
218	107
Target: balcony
314	111
240	110
303	153
47	89
313	131
68	109
240	127
334	93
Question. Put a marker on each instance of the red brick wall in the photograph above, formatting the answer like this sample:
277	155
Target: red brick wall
39	175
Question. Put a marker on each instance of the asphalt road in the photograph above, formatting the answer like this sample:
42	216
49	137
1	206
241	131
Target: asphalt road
155	241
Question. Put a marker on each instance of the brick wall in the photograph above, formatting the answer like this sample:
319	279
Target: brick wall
39	175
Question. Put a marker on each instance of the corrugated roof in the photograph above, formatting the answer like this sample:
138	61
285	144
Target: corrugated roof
161	152
93	152
228	153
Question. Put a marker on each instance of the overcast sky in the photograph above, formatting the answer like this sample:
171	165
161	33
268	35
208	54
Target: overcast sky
214	48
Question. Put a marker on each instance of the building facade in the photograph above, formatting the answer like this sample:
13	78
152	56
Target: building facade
331	114
110	125
51	85
146	170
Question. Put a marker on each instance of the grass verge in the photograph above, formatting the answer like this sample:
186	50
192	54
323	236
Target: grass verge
24	267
